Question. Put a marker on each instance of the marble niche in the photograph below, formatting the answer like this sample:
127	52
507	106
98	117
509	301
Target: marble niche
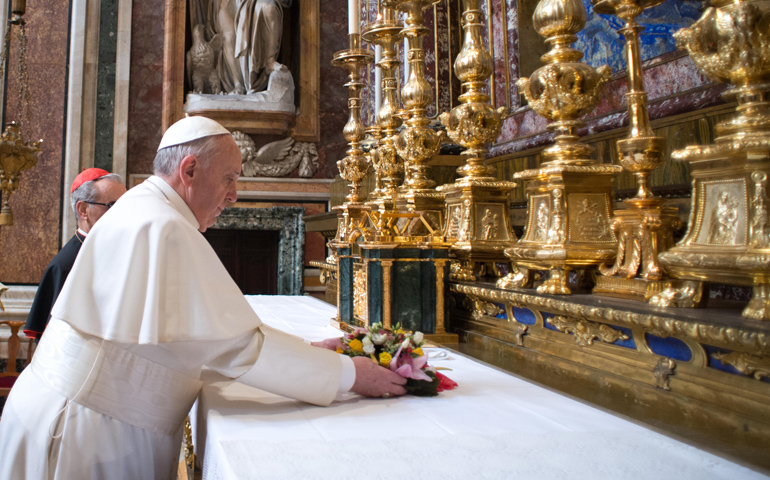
291	244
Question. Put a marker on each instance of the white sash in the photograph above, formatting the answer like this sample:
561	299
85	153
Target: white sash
112	381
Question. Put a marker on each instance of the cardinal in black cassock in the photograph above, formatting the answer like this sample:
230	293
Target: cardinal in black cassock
93	192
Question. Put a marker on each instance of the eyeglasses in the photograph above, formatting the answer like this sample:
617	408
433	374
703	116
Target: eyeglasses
108	205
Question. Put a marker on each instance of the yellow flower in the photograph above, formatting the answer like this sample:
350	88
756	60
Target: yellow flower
385	359
356	346
418	351
339	350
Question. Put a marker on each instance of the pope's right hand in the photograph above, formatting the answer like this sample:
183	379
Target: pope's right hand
373	380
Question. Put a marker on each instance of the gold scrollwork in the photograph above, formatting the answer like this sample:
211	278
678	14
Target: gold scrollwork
733	338
752	365
481	308
586	332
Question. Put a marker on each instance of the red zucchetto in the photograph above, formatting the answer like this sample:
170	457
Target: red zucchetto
86	176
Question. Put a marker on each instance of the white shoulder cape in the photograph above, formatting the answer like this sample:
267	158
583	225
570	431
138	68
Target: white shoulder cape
146	275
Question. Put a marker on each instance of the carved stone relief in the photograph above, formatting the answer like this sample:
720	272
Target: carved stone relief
276	159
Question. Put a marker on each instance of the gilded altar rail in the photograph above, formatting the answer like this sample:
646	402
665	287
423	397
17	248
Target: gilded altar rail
742	338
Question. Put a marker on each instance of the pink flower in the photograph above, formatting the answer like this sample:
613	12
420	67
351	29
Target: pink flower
409	367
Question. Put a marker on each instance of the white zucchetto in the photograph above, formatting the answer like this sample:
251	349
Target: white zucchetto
189	129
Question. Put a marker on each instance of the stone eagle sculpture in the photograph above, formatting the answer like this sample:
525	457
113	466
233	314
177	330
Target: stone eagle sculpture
202	62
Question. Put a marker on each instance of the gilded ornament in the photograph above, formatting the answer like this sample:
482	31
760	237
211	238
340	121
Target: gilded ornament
747	364
360	294
729	337
684	294
518	333
644	226
355	166
417	142
662	371
586	332
727	238
568	215
477	203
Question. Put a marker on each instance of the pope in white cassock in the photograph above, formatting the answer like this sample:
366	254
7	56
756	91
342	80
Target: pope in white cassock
146	306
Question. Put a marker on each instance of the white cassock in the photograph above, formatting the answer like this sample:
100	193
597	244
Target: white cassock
147	304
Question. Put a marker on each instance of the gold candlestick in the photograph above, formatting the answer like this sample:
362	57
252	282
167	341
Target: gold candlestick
417	142
385	32
569	198
644	227
727	238
478	217
355	166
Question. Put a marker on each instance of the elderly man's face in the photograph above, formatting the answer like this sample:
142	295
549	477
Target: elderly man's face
216	187
107	193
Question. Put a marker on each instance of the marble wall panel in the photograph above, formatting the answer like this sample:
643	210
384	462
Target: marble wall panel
146	85
334	96
32	241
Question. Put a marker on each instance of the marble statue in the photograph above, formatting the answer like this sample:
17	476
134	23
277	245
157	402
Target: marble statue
251	32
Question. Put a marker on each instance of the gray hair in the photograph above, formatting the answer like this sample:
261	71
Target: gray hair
87	193
168	159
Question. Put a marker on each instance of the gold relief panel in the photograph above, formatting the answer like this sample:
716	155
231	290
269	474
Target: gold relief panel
724	220
455	214
360	293
588	218
539	218
491	218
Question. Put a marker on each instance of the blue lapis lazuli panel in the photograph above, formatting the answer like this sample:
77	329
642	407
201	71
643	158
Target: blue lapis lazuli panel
524	315
601	43
669	347
502	314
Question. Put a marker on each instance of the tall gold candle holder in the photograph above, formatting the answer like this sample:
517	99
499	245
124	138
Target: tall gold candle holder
477	212
728	235
355	166
385	32
417	142
645	228
569	198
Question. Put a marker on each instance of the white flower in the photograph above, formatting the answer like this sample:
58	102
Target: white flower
405	343
379	338
368	348
417	338
367	340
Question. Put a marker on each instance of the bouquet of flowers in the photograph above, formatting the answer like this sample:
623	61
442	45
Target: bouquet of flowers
401	352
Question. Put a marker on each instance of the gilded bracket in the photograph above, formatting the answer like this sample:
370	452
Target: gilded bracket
586	332
662	371
752	365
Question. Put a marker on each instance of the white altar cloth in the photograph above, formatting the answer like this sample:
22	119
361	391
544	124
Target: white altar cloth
493	426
